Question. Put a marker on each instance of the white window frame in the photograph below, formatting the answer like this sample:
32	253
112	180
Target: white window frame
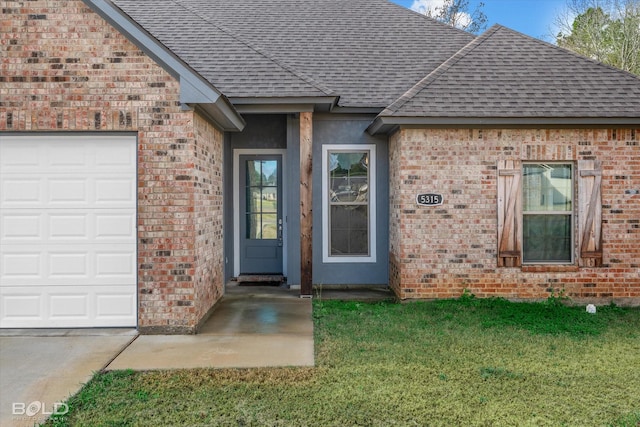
571	213
326	246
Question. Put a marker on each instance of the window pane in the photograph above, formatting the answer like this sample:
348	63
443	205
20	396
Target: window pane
348	177
254	200
270	199
262	199
262	173
547	238
254	173
269	173
269	228
547	187
254	226
349	230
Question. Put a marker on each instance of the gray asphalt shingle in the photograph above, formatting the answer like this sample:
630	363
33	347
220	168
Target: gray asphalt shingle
507	74
366	51
370	52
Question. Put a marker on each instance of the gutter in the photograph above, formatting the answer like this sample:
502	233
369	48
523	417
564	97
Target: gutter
389	124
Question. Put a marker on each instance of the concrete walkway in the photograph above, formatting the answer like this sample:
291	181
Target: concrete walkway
253	326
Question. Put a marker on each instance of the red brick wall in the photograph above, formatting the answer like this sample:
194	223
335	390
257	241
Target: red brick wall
208	211
440	251
64	68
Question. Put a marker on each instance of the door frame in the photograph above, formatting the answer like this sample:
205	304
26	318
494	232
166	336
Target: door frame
237	152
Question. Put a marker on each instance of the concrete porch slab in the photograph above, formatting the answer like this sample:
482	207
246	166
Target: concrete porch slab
251	327
150	352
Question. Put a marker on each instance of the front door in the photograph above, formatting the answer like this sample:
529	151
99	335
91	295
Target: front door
261	225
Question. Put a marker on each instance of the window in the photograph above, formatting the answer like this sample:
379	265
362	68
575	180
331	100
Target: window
540	212
547	190
261	199
348	208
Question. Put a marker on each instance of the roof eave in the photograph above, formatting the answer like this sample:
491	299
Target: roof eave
194	90
389	124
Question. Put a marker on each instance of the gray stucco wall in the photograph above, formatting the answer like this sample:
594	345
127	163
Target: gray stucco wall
350	129
260	132
283	131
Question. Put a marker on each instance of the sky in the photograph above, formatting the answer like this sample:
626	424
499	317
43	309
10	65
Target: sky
531	17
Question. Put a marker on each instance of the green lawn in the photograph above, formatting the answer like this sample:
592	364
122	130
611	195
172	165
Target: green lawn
461	362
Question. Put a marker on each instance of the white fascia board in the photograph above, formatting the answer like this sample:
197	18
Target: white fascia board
194	90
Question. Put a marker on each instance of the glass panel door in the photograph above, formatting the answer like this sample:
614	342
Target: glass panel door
261	224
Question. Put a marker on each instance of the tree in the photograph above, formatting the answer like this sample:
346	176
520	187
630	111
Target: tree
605	30
456	13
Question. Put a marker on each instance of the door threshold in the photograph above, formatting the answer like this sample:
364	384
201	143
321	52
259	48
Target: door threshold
261	278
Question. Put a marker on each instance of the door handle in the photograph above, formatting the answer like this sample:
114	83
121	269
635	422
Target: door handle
280	232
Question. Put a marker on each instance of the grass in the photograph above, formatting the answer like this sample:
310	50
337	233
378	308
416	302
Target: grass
450	362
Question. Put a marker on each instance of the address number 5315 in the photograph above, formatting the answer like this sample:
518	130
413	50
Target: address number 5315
429	199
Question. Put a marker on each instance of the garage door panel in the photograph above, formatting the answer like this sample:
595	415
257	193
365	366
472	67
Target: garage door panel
67	307
20	226
119	154
18	154
68	230
69	265
67	226
20	305
67	155
21	192
115	264
114	191
115	305
60	265
20	265
53	154
68	191
114	226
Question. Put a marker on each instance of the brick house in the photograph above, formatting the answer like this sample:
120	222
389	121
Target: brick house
151	152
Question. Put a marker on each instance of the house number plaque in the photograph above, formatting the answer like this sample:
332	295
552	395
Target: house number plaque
429	199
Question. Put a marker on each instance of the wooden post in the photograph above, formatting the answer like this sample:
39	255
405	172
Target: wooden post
306	199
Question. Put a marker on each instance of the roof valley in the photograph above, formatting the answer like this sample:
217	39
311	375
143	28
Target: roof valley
440	70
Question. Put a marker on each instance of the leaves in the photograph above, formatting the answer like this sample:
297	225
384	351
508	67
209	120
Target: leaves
456	13
604	30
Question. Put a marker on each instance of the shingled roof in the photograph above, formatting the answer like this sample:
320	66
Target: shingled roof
367	52
507	77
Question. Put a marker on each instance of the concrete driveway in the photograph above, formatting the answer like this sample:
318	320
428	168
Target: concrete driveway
39	369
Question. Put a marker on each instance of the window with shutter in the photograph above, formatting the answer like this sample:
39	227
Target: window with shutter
537	213
509	213
590	213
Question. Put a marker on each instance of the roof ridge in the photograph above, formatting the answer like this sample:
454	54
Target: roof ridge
321	87
440	70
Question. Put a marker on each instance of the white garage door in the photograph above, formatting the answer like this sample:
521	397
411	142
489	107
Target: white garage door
67	231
